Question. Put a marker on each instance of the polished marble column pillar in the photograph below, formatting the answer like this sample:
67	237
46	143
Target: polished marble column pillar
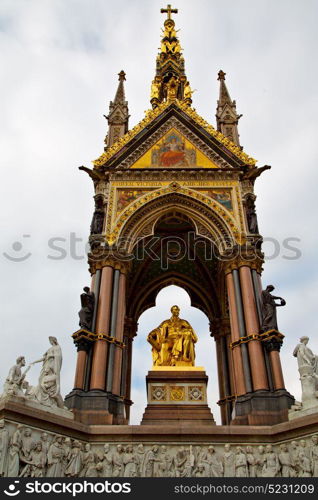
99	362
118	356
80	368
242	330
112	332
255	348
239	379
278	378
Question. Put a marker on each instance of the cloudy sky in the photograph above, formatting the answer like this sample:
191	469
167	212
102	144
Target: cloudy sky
59	65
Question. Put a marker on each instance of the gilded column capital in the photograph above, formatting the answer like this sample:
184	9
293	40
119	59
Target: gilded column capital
272	340
273	344
250	260
109	257
83	339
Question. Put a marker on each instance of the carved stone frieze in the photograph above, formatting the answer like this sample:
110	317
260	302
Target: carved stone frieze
30	452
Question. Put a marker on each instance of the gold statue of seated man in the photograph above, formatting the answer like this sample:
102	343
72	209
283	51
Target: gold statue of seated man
173	342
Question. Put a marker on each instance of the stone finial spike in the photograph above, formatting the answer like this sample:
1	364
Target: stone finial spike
224	93
120	94
221	75
226	115
118	113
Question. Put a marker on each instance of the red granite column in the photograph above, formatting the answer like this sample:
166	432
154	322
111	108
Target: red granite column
99	363
80	369
220	330
130	329
255	348
119	334
235	335
227	341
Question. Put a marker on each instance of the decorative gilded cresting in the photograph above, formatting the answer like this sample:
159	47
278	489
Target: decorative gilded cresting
151	115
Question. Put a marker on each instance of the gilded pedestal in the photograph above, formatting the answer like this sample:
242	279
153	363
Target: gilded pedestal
177	394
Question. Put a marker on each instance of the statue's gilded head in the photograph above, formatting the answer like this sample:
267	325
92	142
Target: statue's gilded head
175	310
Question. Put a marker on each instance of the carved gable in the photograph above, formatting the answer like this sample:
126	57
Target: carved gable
192	132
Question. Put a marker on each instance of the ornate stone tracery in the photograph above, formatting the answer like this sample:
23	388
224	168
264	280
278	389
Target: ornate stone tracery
221	231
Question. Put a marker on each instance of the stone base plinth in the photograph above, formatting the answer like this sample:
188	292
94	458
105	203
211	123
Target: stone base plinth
29	403
300	411
177	394
96	407
262	408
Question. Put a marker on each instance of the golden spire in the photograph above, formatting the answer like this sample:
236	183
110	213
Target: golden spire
170	82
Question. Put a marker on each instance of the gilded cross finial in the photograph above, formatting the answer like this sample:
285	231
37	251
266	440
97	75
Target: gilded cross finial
169	11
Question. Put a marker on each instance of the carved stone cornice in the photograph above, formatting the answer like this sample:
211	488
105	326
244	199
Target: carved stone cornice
226	399
180	174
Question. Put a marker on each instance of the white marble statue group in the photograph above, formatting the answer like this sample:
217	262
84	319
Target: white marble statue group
308	371
47	391
24	454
